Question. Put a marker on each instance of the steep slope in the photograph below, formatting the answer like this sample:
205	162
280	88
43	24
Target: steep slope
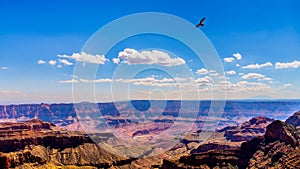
294	119
35	144
253	128
278	148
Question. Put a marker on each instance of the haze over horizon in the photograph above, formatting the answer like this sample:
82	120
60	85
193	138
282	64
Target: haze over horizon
41	44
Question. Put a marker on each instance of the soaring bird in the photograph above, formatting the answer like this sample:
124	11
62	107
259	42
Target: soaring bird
201	23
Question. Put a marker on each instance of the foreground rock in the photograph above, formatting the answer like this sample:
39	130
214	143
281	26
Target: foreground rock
35	143
16	136
278	148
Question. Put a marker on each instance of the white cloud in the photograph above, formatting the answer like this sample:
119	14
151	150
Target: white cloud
241	89
294	64
253	76
204	80
131	57
245	86
59	66
231	72
151	81
40	62
202	71
267	79
96	81
238	56
103	80
237	65
287	85
257	66
88	58
223	77
179	79
52	62
69	81
4	68
242	83
65	62
229	59
116	60
214	74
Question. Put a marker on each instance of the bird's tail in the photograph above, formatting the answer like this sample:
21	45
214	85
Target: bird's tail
199	25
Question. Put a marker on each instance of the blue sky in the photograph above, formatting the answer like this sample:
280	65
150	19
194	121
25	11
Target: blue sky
262	32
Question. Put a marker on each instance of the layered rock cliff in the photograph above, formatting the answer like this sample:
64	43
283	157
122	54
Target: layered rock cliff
35	143
278	148
248	130
16	136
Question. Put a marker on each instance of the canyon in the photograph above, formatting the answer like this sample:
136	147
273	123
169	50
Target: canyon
52	135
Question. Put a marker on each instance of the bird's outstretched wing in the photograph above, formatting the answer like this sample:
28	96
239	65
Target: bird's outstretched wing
201	23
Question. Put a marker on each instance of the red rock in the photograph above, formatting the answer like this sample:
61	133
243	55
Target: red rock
253	128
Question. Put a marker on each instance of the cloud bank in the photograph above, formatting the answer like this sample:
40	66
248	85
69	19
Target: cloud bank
253	76
295	64
132	57
257	66
87	58
202	71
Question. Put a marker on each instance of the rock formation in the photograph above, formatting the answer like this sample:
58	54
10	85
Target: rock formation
36	143
278	148
248	130
294	119
66	115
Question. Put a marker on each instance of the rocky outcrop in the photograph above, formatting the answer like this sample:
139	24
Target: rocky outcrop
213	146
283	132
278	148
294	119
35	143
253	128
210	159
88	154
152	128
34	125
16	136
4	161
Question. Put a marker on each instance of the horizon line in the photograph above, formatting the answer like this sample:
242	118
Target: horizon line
237	100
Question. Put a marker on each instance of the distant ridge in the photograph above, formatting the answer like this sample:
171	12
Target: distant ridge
65	113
